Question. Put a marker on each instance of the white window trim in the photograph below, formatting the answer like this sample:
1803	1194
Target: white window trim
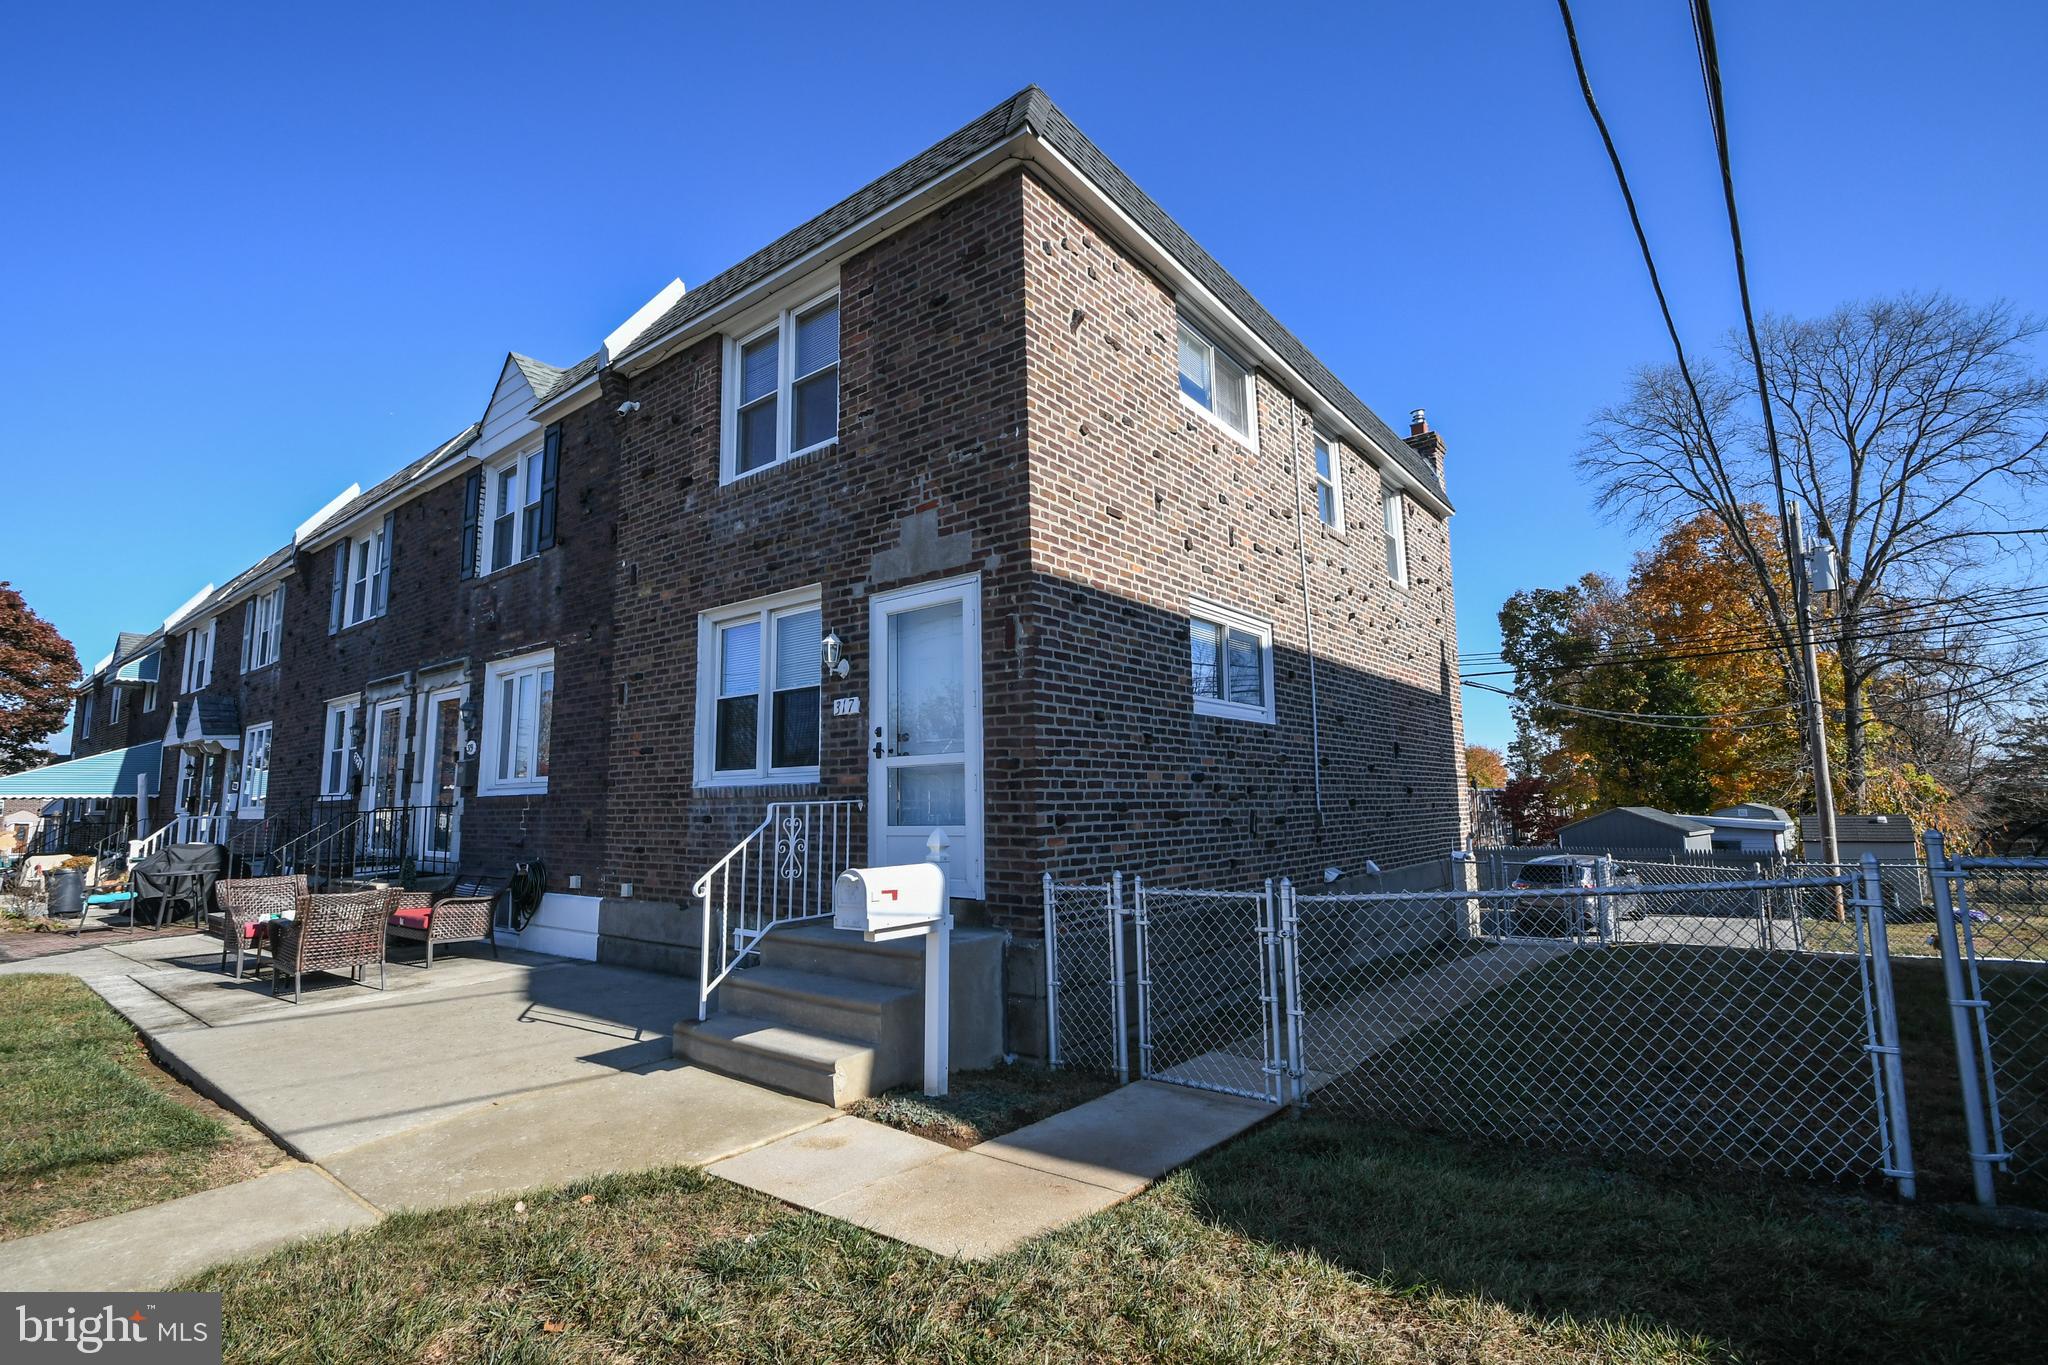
1336	480
348	706
521	465
369	561
113	706
1201	609
85	716
708	624
783	324
149	696
1394	511
1248	439
254	657
252	808
196	679
495	672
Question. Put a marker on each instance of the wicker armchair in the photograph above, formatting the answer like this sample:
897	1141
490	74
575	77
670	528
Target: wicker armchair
331	932
245	904
461	914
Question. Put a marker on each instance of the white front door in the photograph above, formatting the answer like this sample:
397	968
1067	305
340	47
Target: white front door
924	745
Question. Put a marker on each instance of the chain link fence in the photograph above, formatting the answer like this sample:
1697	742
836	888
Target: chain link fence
1086	1005
1992	923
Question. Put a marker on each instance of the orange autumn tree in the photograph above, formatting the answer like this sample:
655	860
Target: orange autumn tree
1485	766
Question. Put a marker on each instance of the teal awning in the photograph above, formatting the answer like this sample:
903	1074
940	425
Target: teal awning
112	773
140	669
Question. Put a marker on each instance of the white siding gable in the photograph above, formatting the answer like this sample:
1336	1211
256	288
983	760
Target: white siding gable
505	422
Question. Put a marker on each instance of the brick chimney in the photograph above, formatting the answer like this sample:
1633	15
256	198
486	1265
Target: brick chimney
1425	442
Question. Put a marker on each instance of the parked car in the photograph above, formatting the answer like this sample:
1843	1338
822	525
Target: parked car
1576	907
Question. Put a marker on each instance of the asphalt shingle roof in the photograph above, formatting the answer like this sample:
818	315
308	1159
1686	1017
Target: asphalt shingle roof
439	455
1033	108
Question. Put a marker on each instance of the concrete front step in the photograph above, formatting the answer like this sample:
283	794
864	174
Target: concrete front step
836	952
891	1018
817	1066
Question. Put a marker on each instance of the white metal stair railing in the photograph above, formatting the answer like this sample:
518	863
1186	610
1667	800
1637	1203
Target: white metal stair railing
781	873
154	842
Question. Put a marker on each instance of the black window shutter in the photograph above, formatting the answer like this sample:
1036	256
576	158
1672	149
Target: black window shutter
340	587
472	508
550	471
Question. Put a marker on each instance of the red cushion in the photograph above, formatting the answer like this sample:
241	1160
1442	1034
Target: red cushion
411	919
249	930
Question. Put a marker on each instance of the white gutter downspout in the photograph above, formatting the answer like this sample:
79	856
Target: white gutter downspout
1308	629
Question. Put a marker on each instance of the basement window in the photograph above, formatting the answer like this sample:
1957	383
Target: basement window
1231	655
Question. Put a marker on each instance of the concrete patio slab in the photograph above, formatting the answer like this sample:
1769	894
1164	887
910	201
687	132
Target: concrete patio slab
968	1205
218	999
151	1248
1130	1137
815	1166
670	1116
323	1080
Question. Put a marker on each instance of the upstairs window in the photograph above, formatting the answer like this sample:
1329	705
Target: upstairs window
114	706
1329	488
1232	658
759	670
782	388
198	657
362	578
262	629
85	716
1212	381
1392	511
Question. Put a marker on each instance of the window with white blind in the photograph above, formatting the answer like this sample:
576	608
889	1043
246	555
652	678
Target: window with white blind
1214	383
255	770
782	388
1231	655
198	657
262	629
759	668
1329	484
519	713
336	747
1393	513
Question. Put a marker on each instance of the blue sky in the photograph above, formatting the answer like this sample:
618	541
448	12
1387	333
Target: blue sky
250	257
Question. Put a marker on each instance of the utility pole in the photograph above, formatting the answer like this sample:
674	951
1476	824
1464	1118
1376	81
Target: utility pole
1816	724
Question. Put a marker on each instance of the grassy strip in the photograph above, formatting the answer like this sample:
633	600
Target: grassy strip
88	1126
983	1104
1309	1240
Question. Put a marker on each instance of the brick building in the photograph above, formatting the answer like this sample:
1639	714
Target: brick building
986	498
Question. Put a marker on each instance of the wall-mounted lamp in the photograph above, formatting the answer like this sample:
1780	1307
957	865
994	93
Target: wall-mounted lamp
835	662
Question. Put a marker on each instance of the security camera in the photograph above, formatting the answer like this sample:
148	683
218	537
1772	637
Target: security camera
631	405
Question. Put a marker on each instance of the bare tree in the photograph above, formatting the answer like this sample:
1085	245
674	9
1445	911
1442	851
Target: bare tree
1914	432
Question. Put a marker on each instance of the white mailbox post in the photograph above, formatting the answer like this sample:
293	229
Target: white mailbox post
904	901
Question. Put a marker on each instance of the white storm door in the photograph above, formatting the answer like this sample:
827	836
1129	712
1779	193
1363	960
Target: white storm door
438	817
924	742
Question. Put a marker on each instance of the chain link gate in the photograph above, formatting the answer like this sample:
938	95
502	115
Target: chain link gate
1991	919
1210	1011
1086	981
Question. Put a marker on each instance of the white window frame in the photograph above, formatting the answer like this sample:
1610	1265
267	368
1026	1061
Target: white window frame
1203	336
198	654
1334	482
263	629
766	610
1394	532
526	469
496	673
1229	619
85	716
255	789
333	783
783	327
149	695
369	569
114	705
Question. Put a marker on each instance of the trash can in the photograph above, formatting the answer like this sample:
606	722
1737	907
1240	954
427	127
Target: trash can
66	890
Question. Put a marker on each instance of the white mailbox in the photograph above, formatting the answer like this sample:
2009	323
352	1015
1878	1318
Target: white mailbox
888	902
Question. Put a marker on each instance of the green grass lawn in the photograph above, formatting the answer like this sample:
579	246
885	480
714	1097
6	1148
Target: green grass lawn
88	1126
980	1105
1309	1240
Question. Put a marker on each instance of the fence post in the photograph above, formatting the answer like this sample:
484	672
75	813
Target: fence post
1290	976
1899	1148
1052	978
1960	1005
1116	976
1270	1022
1603	877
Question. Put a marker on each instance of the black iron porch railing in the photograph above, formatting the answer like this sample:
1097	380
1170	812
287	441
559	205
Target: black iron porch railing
83	836
342	841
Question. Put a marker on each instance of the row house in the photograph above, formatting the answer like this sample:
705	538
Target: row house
984	501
